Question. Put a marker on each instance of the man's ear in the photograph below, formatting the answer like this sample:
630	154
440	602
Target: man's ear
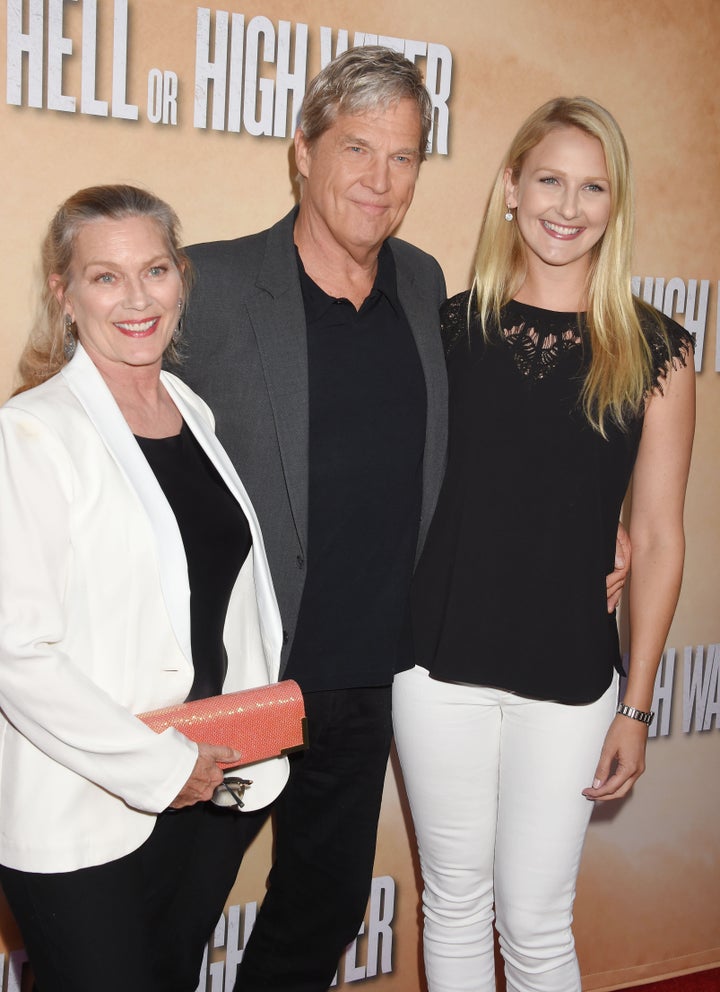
302	153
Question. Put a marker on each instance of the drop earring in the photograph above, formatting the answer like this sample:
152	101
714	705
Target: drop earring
508	214
177	333
69	342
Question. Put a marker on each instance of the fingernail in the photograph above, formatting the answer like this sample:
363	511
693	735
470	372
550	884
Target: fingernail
596	783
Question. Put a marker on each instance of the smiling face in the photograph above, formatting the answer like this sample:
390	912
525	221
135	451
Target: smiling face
123	293
359	177
563	200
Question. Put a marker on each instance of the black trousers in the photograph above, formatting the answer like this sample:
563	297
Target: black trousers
140	923
325	833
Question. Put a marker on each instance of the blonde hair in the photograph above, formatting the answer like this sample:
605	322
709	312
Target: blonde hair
44	353
621	367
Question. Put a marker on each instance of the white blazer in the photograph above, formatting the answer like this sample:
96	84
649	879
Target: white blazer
95	626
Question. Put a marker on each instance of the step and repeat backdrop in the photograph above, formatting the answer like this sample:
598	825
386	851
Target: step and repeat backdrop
198	103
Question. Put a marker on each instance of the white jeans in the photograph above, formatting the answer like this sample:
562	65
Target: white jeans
494	782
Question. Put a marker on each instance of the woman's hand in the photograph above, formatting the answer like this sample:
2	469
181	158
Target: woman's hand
206	776
622	760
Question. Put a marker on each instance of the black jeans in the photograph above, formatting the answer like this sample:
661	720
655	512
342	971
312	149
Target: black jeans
325	831
140	923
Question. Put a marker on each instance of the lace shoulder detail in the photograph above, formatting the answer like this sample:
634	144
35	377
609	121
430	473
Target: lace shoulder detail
454	321
675	346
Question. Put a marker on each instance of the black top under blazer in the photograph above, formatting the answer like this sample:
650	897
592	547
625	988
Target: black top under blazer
246	354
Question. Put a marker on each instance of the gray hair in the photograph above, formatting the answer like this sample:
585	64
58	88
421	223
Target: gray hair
359	80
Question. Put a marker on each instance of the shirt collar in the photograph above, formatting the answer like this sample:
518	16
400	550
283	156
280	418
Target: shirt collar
317	301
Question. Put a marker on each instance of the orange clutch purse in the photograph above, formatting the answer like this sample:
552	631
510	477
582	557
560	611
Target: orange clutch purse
261	723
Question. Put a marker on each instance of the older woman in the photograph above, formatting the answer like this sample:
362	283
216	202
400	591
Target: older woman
132	576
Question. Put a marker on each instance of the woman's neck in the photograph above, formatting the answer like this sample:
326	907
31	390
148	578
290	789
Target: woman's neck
143	400
561	288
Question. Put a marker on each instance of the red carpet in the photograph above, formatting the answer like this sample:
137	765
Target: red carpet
699	981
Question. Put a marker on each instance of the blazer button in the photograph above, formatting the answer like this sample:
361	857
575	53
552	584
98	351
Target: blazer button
300	561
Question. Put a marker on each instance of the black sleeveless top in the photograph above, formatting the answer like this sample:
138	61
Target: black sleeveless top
510	589
217	540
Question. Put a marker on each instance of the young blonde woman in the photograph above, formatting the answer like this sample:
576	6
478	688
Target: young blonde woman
562	387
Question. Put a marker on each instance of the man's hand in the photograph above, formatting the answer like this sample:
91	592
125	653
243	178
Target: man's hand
616	580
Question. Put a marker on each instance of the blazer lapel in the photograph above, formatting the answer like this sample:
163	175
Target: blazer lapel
422	314
278	319
91	391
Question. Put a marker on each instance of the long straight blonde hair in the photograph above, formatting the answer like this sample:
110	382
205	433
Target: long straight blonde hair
621	367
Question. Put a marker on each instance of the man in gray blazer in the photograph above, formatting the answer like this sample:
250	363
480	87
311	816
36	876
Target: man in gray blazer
316	343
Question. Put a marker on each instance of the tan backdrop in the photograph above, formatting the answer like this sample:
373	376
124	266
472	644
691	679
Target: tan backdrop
196	103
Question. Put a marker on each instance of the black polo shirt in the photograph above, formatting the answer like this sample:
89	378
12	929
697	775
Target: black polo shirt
367	436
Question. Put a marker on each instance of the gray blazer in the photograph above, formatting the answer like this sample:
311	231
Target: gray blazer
246	354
